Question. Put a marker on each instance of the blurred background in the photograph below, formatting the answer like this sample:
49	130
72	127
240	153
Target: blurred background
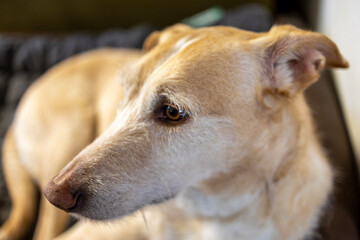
36	34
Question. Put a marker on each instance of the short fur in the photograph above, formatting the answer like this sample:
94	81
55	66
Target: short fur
244	164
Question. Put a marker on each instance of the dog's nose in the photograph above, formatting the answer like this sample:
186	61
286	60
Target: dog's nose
62	195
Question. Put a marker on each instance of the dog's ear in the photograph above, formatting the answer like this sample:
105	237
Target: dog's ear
151	41
294	58
158	37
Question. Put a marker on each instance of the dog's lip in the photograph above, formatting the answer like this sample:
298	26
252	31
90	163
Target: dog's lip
59	206
161	200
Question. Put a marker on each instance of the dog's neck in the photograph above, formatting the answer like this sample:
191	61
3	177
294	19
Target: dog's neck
288	137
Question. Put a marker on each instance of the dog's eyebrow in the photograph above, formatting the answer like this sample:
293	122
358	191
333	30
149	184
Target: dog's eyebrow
164	95
168	95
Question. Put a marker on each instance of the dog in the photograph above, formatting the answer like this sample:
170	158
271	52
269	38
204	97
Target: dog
205	131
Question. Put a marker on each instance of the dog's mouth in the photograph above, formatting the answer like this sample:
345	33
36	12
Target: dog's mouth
85	209
162	200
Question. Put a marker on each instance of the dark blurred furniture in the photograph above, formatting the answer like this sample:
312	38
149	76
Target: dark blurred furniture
79	15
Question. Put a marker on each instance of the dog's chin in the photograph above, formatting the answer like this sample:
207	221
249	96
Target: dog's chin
91	213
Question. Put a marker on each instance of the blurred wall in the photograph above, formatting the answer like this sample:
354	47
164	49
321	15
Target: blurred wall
340	20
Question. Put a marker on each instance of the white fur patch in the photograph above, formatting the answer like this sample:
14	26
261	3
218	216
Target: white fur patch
180	46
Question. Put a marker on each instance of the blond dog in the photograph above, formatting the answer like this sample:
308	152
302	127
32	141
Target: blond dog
210	122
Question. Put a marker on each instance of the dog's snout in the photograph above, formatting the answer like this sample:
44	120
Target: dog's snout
62	195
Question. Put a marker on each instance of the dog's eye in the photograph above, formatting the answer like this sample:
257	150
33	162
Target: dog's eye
173	113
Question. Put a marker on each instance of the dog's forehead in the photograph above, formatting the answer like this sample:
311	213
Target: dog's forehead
197	40
196	51
200	64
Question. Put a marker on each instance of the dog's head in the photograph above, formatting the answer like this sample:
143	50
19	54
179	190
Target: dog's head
199	103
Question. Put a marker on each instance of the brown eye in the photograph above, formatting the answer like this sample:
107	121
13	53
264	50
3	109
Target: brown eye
173	113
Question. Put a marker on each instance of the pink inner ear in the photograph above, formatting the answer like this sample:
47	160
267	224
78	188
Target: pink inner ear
306	67
296	69
314	62
309	63
317	64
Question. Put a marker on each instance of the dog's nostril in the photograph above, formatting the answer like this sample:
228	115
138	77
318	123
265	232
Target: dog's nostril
62	195
75	193
76	196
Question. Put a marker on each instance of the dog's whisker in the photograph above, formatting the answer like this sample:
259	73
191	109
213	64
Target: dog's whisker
145	220
164	182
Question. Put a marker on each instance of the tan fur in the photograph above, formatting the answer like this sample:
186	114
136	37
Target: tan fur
245	164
